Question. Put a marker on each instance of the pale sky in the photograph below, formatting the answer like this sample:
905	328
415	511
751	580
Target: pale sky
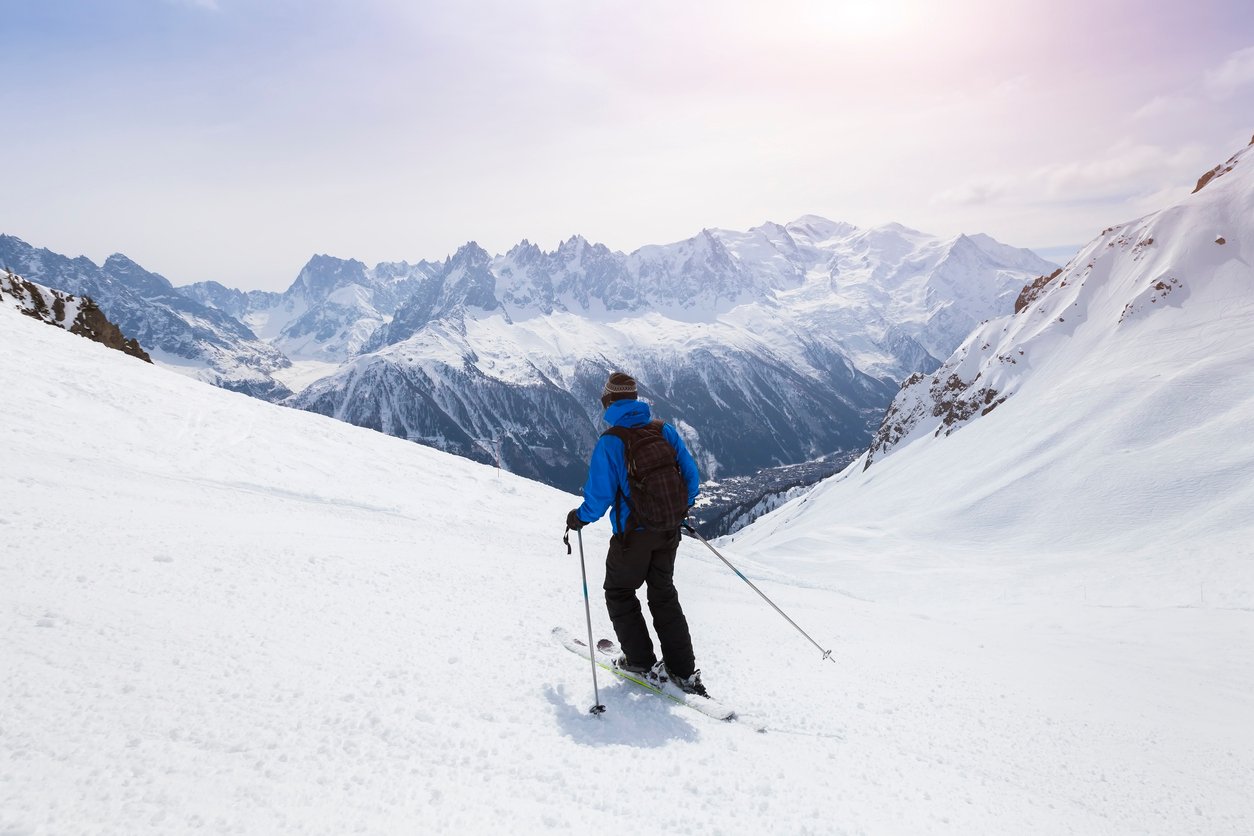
232	139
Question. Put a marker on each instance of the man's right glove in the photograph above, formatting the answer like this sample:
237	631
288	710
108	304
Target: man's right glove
572	520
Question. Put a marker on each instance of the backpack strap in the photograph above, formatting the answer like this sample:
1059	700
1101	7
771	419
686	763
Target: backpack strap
624	436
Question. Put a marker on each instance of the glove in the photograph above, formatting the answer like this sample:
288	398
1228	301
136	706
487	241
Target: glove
572	520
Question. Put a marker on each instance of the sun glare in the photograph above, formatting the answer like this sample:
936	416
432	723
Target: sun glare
857	18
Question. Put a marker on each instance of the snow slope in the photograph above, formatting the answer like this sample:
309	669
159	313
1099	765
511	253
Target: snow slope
1077	481
219	615
1114	414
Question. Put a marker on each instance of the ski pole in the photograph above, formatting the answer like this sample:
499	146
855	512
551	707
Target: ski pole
827	654
598	708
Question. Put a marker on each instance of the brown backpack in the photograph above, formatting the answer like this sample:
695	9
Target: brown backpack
659	494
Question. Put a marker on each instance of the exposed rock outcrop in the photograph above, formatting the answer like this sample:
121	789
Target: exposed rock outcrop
1034	289
924	398
76	314
1219	170
1114	289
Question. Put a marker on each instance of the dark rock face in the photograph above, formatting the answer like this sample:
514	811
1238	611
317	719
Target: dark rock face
1218	171
1034	289
945	396
52	307
93	324
957	402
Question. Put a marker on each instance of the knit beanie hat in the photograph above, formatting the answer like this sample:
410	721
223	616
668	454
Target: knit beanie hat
619	387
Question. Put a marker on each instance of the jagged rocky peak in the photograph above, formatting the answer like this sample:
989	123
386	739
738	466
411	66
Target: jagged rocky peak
468	280
469	254
76	314
572	245
709	245
323	274
525	278
126	270
524	253
464	280
392	272
124	266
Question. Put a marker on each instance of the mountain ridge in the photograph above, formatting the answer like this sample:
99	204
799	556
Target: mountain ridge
745	338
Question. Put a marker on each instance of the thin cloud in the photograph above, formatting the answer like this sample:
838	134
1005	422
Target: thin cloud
977	193
1121	172
1161	107
1235	73
207	5
1123	169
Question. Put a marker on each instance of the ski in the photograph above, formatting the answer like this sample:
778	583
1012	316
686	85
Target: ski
604	656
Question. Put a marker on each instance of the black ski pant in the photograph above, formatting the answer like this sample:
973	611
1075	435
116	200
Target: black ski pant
647	558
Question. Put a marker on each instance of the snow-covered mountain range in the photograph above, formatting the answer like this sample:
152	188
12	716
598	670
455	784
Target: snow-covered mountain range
770	347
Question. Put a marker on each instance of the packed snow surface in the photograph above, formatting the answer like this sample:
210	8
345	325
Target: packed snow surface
220	615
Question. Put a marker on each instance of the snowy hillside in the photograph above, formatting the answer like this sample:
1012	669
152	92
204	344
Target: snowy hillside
224	616
1112	415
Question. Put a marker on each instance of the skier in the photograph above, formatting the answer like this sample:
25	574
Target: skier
640	554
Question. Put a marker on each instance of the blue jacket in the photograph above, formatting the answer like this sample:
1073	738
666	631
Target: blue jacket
607	472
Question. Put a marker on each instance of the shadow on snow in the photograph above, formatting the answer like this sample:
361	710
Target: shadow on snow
632	718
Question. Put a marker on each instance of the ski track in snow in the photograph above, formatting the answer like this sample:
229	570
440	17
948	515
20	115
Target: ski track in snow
222	616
